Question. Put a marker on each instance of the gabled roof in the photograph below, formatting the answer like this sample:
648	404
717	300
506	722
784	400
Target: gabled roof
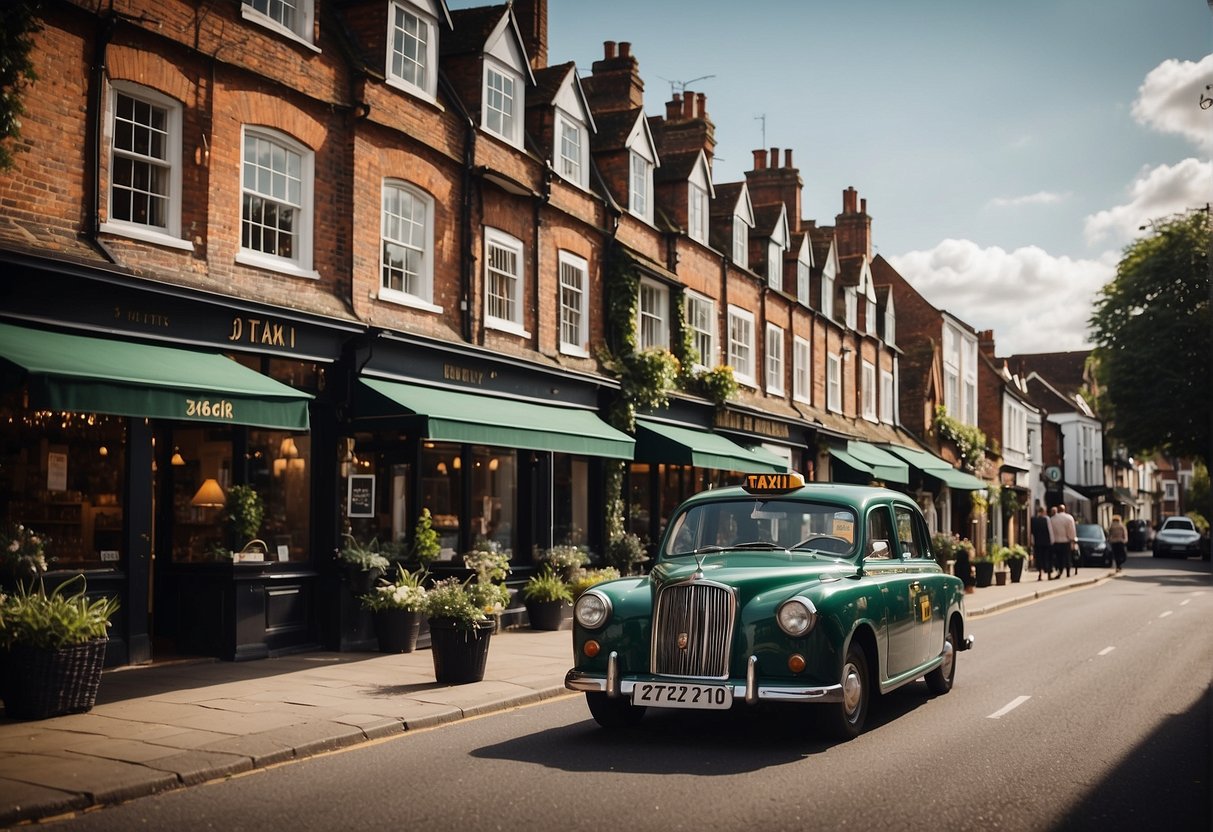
615	130
553	83
801	243
476	31
771	221
677	167
1065	371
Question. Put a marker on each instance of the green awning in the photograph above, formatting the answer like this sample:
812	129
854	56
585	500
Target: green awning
97	375
880	464
486	420
941	469
657	442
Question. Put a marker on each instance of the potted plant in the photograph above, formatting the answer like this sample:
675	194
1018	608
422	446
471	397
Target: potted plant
943	547
22	557
546	596
460	630
364	564
626	553
1015	557
243	512
565	560
53	649
983	569
963	567
397	608
427	546
586	578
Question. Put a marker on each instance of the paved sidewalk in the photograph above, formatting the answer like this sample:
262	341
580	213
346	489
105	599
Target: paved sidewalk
167	726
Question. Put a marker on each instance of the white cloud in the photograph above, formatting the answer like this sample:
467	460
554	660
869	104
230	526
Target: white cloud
1156	193
1169	100
1038	198
1033	301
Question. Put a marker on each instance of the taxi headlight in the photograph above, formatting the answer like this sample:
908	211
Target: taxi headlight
796	616
592	609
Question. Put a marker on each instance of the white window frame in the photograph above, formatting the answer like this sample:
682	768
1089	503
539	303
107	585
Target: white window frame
701	320
168	234
573	303
640	186
775	265
571	168
514	297
851	299
299	264
424	297
697	213
511	121
741	345
867	377
869	316
741	242
969	379
802	370
834	383
827	292
653	315
429	62
774	359
304	25
804	275
890	324
888	397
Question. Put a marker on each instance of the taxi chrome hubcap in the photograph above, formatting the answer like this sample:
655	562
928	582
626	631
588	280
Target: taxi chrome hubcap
852	689
949	657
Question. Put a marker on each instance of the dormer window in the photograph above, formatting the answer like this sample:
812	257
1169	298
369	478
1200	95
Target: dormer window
697	213
412	46
640	185
741	243
869	317
890	325
502	103
571	150
775	265
852	310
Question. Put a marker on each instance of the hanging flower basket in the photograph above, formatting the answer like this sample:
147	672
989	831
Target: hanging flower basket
42	682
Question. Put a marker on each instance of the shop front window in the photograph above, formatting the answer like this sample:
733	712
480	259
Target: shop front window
494	487
570	500
638	500
61	475
280	471
441	487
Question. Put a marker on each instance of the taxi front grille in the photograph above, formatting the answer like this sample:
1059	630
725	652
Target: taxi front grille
693	630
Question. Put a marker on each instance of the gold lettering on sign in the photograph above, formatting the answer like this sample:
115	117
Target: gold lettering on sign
450	372
138	316
262	333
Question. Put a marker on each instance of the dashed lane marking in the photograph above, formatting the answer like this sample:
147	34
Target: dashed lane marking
1185	602
1106	651
1165	614
1010	706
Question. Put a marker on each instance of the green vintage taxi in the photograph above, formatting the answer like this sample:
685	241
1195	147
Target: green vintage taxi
774	591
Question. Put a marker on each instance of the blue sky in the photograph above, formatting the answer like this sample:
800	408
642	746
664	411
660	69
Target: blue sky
1008	151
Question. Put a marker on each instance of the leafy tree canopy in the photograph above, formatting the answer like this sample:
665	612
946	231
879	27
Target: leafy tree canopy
18	23
1153	331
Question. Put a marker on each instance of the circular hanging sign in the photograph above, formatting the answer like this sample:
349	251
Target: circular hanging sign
1053	474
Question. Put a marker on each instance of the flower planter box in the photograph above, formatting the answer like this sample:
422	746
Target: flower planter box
41	683
984	571
459	654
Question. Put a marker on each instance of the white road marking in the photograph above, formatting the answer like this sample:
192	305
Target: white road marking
1185	602
1106	651
1010	706
1165	614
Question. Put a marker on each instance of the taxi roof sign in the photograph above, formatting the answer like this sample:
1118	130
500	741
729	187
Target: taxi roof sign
773	483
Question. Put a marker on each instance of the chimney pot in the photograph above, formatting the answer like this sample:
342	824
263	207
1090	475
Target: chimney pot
673	107
701	104
787	157
625	49
760	160
608	49
774	158
863	206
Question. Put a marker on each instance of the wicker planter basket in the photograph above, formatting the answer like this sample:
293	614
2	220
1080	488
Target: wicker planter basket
40	683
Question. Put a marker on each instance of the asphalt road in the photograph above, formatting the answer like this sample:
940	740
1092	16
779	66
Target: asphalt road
1086	710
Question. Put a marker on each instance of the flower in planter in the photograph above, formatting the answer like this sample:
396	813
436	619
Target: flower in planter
561	558
488	560
22	552
586	578
360	556
546	585
450	600
404	593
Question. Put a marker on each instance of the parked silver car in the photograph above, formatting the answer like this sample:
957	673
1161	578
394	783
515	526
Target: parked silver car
1177	538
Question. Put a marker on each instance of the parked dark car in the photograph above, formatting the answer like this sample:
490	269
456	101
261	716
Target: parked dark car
1177	538
1137	535
1093	548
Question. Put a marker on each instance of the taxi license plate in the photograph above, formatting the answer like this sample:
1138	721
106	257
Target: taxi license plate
678	695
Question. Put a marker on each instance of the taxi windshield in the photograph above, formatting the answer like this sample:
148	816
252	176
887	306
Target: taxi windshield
757	523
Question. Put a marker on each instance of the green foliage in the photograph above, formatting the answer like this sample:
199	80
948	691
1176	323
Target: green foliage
1199	497
489	561
35	619
943	546
404	593
586	578
546	585
243	511
18	25
626	553
717	384
1151	327
450	600
970	441
426	545
565	557
362	556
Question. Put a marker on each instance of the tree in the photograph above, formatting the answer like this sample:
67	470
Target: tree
18	24
1153	331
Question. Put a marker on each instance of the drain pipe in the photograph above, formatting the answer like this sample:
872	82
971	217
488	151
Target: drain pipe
96	112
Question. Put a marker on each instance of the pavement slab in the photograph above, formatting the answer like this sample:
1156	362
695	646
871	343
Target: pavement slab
194	767
26	801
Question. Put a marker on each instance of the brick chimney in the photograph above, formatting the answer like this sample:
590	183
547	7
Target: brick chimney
686	126
853	227
532	17
985	343
615	85
771	183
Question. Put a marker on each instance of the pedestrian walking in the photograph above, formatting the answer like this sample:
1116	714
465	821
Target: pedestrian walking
1042	543
1065	540
1118	538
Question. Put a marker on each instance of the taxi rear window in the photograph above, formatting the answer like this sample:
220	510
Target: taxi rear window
763	523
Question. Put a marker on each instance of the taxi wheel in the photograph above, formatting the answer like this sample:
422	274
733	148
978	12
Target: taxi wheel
939	680
613	712
844	720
